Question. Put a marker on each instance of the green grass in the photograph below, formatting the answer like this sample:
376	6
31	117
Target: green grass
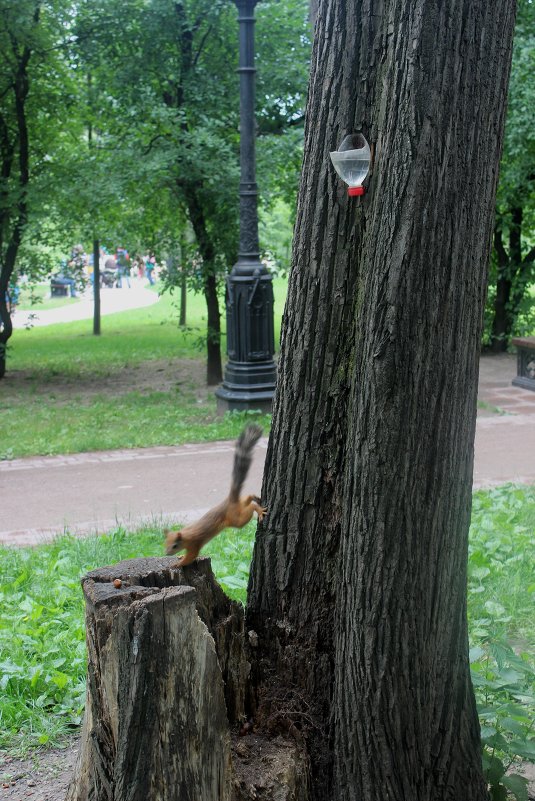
42	638
127	338
56	407
134	420
42	649
37	298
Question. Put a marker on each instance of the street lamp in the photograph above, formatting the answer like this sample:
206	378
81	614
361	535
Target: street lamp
250	374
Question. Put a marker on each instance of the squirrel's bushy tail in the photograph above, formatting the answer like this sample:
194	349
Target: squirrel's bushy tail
243	458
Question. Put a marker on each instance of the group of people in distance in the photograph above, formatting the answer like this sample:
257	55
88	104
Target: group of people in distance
76	272
122	265
115	268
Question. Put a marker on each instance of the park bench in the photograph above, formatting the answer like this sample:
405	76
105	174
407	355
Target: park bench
525	377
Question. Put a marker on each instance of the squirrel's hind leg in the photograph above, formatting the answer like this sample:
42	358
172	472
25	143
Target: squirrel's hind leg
253	504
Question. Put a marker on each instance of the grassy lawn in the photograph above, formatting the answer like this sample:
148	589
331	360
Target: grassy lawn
42	648
132	420
141	383
127	338
38	299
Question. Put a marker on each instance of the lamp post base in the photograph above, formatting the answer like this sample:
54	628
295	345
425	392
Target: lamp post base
247	387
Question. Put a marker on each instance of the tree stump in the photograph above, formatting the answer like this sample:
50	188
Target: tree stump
166	693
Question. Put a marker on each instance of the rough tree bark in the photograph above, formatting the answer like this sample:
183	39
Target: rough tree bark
166	687
358	584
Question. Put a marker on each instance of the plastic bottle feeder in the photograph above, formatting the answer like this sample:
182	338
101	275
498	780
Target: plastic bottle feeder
352	162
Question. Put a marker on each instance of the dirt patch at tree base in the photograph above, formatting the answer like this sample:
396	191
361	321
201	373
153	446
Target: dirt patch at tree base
42	776
159	375
45	774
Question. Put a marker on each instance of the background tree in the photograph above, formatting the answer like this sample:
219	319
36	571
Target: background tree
174	109
93	174
162	108
510	305
358	583
32	78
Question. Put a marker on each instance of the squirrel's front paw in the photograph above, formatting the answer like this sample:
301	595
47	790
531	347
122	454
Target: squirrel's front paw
262	513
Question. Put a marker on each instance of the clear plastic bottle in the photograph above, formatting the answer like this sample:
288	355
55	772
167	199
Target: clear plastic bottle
352	162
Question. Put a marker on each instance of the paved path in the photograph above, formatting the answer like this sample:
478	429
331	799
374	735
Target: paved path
111	300
505	442
96	491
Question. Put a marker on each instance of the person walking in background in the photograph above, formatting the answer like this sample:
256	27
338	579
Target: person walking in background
140	264
150	264
12	295
110	268
123	265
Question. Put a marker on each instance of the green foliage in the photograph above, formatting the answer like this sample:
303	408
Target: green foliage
512	272
32	42
518	160
276	231
283	45
133	120
501	562
42	637
170	113
501	592
42	668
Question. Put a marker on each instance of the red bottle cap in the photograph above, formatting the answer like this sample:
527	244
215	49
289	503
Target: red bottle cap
355	190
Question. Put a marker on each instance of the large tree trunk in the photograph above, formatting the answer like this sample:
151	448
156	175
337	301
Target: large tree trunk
358	585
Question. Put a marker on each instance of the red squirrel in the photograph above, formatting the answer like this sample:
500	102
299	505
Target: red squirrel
232	512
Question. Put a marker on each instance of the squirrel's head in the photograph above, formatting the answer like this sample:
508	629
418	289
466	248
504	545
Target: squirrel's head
173	541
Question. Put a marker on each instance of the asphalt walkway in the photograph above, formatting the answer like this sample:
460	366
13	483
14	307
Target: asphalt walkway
111	300
96	491
91	492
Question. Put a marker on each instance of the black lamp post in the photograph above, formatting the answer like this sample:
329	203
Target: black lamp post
250	375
